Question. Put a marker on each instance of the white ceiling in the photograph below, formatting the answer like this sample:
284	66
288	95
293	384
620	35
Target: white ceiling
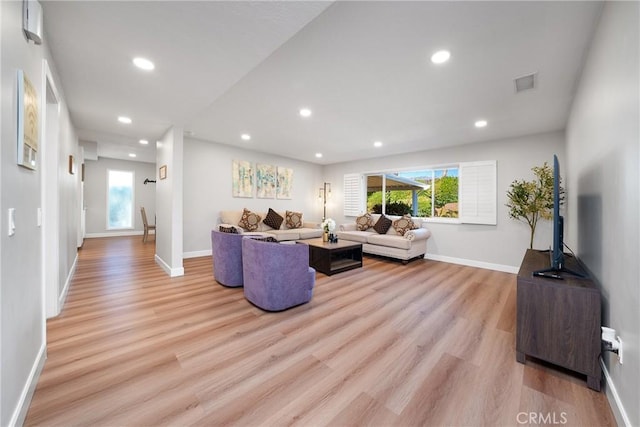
226	68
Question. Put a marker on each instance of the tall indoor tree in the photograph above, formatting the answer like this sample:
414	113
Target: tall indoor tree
530	201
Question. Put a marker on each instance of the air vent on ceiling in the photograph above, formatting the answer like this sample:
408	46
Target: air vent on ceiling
525	82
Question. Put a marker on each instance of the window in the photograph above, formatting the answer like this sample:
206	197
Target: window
462	193
426	193
119	199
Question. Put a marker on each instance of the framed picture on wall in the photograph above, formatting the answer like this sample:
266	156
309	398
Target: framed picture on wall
28	117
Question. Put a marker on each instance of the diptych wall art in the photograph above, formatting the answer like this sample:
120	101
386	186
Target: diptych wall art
242	179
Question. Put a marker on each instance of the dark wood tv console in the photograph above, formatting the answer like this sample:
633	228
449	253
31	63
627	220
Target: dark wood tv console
558	321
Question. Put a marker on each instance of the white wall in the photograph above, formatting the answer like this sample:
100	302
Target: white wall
95	193
603	157
207	189
22	320
501	246
169	196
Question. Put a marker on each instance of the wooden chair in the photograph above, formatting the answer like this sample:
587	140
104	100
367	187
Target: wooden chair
147	227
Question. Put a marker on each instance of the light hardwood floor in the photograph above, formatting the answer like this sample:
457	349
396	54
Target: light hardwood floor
424	344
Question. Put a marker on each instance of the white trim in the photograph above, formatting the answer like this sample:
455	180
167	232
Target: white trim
172	272
115	234
614	399
63	295
196	254
20	412
473	263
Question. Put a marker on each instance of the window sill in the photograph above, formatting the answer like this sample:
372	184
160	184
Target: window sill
442	220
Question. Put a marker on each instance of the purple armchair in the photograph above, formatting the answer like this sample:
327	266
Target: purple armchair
276	276
227	258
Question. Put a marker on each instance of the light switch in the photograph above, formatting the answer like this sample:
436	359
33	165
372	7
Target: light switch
12	221
39	216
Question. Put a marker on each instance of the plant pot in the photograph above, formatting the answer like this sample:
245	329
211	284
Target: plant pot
325	237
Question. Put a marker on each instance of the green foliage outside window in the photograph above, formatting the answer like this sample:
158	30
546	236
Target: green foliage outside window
401	201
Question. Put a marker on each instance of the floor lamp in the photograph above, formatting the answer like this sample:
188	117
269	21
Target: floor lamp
324	194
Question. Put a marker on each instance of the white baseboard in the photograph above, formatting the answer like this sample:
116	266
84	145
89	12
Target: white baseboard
196	254
172	272
63	295
114	234
614	399
473	263
20	412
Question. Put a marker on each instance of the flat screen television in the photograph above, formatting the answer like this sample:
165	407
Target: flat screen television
556	254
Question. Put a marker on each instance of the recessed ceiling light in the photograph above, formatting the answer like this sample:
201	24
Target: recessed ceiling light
143	64
305	112
245	137
440	56
132	155
144	142
318	155
123	119
481	123
377	144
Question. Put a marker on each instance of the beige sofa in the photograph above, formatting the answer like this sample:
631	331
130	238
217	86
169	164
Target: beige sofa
412	245
309	230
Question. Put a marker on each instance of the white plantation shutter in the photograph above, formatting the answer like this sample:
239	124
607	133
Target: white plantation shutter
353	193
478	198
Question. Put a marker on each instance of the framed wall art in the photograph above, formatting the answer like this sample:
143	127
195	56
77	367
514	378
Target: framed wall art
265	181
285	183
241	179
28	117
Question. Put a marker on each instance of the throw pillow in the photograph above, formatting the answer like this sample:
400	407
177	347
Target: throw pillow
231	230
404	224
383	225
249	220
294	219
364	222
266	239
273	219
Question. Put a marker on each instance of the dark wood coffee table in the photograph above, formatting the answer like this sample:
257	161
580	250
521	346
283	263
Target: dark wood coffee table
333	258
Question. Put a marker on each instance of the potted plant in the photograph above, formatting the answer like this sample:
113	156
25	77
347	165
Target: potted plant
530	201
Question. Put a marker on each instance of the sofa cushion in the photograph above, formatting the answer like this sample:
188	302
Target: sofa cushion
281	235
404	224
390	241
383	225
364	222
230	217
249	220
273	219
294	219
309	233
356	236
